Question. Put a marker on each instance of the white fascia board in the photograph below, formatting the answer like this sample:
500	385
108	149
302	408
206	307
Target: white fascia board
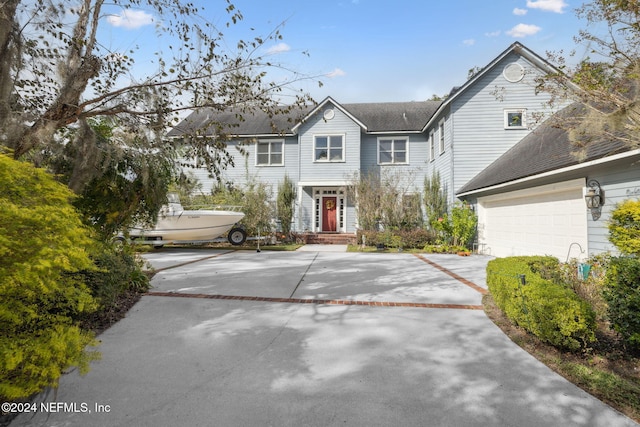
396	132
560	171
557	187
323	183
264	135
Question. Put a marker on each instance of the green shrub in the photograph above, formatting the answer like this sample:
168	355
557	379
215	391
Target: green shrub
590	288
117	272
42	241
285	203
459	226
443	249
408	239
624	227
622	293
552	312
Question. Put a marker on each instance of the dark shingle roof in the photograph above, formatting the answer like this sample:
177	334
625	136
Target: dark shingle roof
545	149
206	121
394	116
376	117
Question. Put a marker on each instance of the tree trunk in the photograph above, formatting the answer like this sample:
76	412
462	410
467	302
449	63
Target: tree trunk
9	46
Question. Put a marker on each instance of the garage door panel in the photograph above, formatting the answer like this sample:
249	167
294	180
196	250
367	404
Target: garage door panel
539	224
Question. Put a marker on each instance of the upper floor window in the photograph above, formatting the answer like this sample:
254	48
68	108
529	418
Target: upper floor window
329	148
393	150
432	146
515	119
270	153
441	136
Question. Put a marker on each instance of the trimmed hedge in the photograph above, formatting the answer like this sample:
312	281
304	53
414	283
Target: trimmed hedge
622	293
552	312
409	239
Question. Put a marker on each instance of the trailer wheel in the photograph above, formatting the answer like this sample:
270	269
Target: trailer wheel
237	236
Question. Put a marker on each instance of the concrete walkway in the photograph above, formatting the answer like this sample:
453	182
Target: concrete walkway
312	339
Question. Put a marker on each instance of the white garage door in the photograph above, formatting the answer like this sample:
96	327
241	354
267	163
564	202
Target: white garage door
542	220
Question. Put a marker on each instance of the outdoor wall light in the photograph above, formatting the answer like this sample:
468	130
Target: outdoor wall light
594	195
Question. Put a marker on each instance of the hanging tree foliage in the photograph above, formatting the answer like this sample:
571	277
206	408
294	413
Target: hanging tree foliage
606	82
56	75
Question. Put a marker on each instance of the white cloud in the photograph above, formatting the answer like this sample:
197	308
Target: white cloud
493	33
523	30
279	48
130	19
337	72
468	42
519	12
556	6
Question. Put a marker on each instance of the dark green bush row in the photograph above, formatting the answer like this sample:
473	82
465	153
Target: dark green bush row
622	293
409	239
117	272
552	312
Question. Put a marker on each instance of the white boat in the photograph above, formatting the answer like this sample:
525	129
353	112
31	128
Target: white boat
177	225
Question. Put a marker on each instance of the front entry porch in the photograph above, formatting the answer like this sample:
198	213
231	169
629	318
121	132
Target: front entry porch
329	210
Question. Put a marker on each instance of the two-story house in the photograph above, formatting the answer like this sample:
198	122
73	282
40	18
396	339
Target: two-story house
483	128
331	142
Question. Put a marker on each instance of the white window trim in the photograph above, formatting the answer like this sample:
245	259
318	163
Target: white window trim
393	152
432	145
328	160
523	111
441	141
269	141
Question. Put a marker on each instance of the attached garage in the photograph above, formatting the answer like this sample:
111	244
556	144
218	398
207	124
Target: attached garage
534	221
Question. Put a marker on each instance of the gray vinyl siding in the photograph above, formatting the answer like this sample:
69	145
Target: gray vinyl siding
478	117
305	210
245	168
443	162
412	173
341	124
619	183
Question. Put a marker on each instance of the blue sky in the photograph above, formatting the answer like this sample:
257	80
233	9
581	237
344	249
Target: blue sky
378	50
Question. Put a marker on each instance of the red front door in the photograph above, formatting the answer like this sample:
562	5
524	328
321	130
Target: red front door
329	210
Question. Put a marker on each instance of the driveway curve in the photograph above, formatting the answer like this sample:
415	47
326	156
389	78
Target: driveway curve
316	339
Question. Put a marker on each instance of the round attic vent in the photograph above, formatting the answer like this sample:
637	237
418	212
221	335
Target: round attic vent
513	72
329	114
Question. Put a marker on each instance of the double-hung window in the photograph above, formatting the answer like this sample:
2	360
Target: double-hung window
270	153
393	151
329	148
432	146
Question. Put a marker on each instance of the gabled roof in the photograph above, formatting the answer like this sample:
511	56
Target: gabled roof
385	117
517	48
382	117
328	101
548	148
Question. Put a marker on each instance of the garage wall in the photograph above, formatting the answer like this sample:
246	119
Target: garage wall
619	183
543	220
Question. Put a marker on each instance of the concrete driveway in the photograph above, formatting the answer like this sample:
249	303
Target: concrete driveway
316	339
